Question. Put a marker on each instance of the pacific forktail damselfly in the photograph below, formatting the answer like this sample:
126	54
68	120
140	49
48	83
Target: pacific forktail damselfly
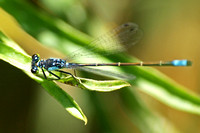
126	34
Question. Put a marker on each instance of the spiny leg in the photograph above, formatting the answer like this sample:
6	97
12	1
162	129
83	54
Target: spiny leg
68	74
44	74
54	74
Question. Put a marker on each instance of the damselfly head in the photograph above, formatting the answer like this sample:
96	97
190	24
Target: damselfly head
35	59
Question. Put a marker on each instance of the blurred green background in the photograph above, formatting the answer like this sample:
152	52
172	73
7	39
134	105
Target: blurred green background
171	30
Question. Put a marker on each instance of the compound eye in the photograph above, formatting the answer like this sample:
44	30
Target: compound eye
34	70
35	57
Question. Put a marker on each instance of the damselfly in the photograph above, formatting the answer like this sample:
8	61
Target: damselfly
113	42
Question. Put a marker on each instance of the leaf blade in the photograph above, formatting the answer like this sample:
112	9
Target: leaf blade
96	85
16	57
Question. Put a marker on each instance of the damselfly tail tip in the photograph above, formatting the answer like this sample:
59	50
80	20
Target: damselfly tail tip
189	63
181	63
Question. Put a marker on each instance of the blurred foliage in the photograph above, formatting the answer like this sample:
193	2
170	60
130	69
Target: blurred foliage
171	30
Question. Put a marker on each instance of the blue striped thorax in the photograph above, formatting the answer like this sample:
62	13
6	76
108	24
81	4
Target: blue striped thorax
54	64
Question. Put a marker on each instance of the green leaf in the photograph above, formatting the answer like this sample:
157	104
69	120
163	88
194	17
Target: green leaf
96	85
64	99
172	96
13	54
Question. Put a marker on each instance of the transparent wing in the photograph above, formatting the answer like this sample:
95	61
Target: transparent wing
117	40
107	73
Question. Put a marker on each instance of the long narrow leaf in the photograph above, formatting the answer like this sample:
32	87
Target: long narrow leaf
12	54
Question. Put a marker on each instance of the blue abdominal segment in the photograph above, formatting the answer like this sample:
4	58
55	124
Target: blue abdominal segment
181	63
